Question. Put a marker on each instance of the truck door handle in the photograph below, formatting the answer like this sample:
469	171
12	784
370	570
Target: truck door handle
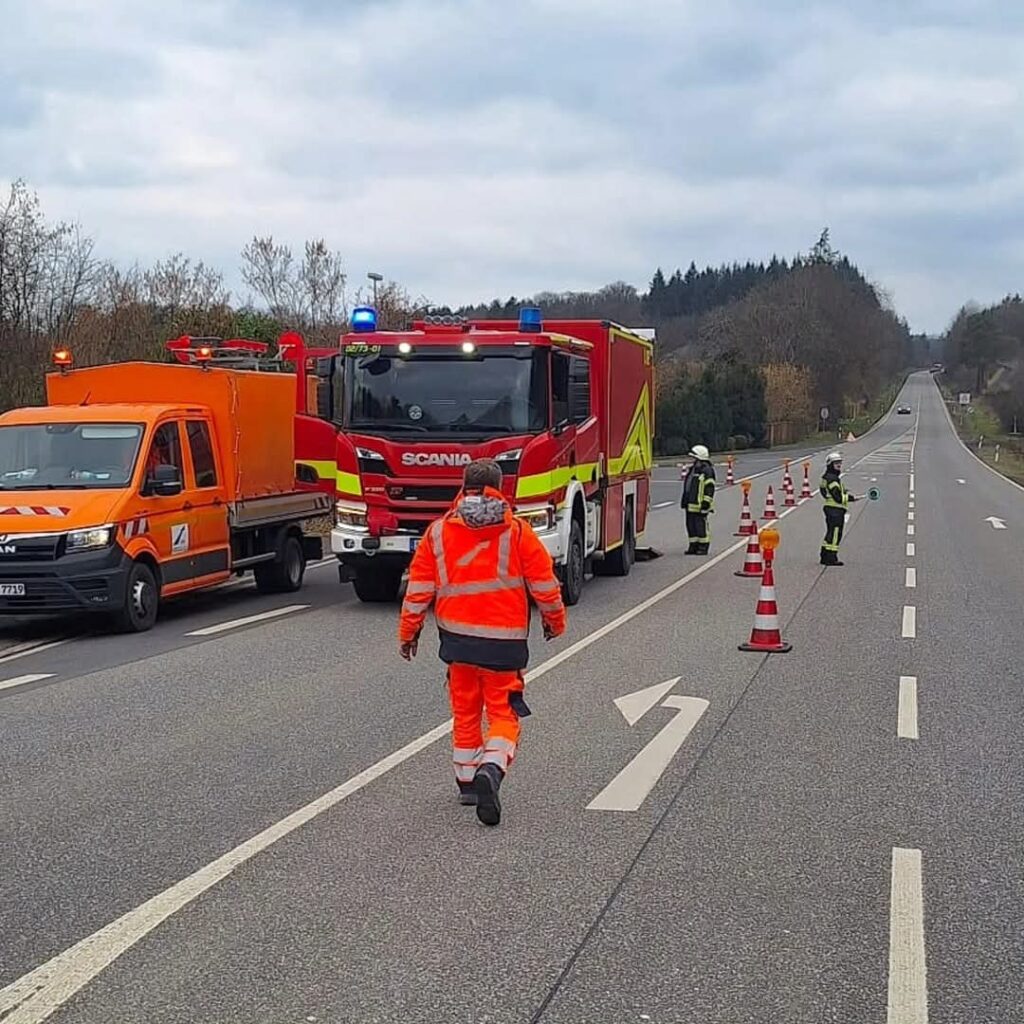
187	506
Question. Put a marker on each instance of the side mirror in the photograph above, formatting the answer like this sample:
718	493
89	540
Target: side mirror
559	428
165	482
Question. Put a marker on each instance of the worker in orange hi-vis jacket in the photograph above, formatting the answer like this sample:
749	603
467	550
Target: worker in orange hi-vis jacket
481	567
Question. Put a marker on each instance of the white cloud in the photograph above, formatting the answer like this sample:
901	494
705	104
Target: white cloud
473	149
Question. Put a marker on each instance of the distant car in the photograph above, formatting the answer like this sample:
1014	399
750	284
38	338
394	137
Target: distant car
903	410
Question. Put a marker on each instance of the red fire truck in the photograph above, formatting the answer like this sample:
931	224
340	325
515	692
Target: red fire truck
564	406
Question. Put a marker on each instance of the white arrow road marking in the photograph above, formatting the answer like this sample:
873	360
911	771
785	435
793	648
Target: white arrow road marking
10	684
996	523
959	481
628	790
908	988
635	705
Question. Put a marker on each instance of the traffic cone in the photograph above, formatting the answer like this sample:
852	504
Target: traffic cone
765	637
769	505
747	526
752	563
790	493
729	481
805	491
850	438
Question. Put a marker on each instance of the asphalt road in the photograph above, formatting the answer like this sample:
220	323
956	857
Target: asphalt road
259	824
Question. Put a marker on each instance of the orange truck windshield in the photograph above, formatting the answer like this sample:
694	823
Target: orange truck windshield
57	456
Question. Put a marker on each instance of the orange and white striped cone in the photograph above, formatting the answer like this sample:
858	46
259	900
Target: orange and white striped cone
747	526
752	562
790	493
765	637
805	491
769	505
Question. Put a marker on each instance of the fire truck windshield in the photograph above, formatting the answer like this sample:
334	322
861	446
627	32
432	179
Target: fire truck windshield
497	390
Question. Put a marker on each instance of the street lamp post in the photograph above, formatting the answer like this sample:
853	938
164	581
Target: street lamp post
375	278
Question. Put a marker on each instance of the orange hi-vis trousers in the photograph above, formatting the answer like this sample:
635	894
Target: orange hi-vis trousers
473	690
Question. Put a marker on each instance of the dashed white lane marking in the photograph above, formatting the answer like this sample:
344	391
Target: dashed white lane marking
910	504
910	517
909	622
911	481
10	684
906	721
223	627
908	986
910	529
911	580
27	652
911	549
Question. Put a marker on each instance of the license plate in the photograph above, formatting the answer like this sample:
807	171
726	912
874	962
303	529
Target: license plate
12	589
413	543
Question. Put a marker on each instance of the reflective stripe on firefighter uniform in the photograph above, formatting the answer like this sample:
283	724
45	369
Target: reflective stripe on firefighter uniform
481	580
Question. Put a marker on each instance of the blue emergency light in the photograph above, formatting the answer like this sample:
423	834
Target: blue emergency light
530	321
364	319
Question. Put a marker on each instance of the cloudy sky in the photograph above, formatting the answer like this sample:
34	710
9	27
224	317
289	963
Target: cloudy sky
474	148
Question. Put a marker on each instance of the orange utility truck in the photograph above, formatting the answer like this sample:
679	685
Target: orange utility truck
142	481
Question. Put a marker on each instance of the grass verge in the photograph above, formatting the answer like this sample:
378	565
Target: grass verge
980	429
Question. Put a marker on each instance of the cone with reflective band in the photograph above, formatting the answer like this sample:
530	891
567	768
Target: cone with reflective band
765	637
769	505
805	491
729	479
752	562
747	526
790	493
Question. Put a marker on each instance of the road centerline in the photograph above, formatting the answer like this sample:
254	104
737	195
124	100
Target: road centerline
906	719
908	989
909	622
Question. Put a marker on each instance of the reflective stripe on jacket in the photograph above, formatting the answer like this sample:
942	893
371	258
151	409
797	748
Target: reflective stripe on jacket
833	491
699	488
481	579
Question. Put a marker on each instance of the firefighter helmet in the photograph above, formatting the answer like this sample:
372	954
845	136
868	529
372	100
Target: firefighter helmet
833	457
700	451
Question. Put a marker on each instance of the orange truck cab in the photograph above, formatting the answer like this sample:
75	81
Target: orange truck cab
139	482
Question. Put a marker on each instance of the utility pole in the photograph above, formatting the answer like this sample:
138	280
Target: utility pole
376	279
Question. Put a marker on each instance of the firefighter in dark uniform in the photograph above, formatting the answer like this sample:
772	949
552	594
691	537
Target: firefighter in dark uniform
698	500
837	499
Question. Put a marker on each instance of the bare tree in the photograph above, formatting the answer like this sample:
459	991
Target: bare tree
269	270
177	283
321	282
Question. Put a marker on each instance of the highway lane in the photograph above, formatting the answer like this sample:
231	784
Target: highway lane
128	778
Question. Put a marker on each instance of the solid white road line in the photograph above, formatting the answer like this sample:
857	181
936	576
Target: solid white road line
910	529
223	627
663	504
908	987
10	684
906	721
909	622
911	549
911	580
27	652
36	995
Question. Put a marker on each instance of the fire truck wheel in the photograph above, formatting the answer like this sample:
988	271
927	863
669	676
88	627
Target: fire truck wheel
141	601
620	561
377	584
572	572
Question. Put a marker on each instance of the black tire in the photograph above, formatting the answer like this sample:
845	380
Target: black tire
285	574
141	601
377	584
620	561
575	561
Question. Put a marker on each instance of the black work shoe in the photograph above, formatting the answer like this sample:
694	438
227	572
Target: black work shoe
691	550
703	549
467	794
486	782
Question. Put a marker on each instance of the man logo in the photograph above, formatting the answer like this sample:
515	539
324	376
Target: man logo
5	548
436	458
